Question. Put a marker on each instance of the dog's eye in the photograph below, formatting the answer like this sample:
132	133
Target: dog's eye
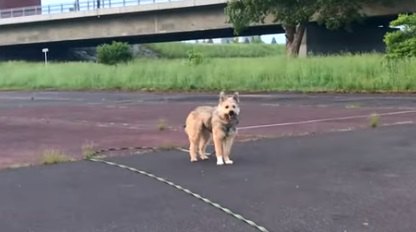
226	107
233	106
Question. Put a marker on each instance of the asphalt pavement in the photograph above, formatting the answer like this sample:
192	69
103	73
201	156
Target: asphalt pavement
362	180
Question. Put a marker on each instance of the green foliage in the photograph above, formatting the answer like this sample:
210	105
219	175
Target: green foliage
114	53
194	57
332	13
181	50
402	43
358	73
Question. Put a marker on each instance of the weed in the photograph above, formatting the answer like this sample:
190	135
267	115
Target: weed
374	120
167	146
88	150
53	156
161	125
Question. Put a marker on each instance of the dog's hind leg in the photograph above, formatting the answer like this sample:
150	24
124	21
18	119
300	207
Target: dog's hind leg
193	149
193	129
203	142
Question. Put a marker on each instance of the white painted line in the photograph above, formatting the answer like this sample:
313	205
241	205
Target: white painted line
39	98
324	120
187	151
343	130
398	123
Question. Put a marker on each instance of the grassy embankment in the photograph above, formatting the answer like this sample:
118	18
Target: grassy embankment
253	72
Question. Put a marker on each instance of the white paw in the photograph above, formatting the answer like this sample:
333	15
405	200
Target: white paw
229	162
220	162
194	160
204	157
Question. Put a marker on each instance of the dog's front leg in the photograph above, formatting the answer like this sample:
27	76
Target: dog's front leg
227	149
218	138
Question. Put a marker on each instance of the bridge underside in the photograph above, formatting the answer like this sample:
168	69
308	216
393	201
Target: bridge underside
362	37
62	50
359	38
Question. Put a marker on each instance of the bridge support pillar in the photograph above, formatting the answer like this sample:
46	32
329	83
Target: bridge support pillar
360	39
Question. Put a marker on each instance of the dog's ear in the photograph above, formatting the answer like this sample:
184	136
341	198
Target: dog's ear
236	97
222	96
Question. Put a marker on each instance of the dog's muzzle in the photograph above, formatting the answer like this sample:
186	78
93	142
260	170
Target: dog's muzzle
232	115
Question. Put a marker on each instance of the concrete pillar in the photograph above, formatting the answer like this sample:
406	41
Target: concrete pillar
362	38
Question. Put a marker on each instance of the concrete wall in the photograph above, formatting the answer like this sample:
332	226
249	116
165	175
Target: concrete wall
360	39
114	25
181	21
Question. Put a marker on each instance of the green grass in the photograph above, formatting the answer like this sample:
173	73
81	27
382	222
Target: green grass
363	73
180	50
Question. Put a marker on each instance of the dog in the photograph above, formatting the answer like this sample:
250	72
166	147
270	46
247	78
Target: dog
219	123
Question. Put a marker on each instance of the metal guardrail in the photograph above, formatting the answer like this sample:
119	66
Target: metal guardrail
77	5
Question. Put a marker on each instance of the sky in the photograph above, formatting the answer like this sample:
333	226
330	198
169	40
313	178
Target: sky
49	2
280	38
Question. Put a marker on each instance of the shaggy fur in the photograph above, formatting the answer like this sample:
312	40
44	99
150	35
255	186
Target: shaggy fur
217	122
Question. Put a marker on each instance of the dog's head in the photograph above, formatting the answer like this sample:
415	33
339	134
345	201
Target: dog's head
228	106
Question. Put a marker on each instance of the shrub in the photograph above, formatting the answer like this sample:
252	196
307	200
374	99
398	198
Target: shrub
402	43
194	57
114	53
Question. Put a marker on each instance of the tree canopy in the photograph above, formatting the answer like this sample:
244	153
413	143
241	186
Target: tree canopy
294	14
402	43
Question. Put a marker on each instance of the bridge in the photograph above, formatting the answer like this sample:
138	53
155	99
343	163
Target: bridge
142	21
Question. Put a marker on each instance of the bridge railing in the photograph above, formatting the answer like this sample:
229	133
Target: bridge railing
77	5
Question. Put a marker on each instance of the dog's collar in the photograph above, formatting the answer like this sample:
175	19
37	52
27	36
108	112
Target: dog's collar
231	125
228	128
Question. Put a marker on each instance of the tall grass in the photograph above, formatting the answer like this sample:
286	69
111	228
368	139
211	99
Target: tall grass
362	73
180	50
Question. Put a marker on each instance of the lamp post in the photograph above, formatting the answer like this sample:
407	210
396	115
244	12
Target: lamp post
45	51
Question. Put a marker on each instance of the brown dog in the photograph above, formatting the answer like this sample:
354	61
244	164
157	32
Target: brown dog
219	122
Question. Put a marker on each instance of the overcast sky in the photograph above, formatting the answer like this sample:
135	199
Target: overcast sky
266	38
48	2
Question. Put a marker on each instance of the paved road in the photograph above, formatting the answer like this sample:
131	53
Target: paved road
353	181
12	99
32	122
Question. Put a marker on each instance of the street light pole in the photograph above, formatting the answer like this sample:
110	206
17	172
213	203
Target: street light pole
45	51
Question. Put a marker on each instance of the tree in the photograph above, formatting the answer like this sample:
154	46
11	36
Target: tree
293	15
402	43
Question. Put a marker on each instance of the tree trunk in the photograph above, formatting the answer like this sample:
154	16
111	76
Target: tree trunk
294	36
